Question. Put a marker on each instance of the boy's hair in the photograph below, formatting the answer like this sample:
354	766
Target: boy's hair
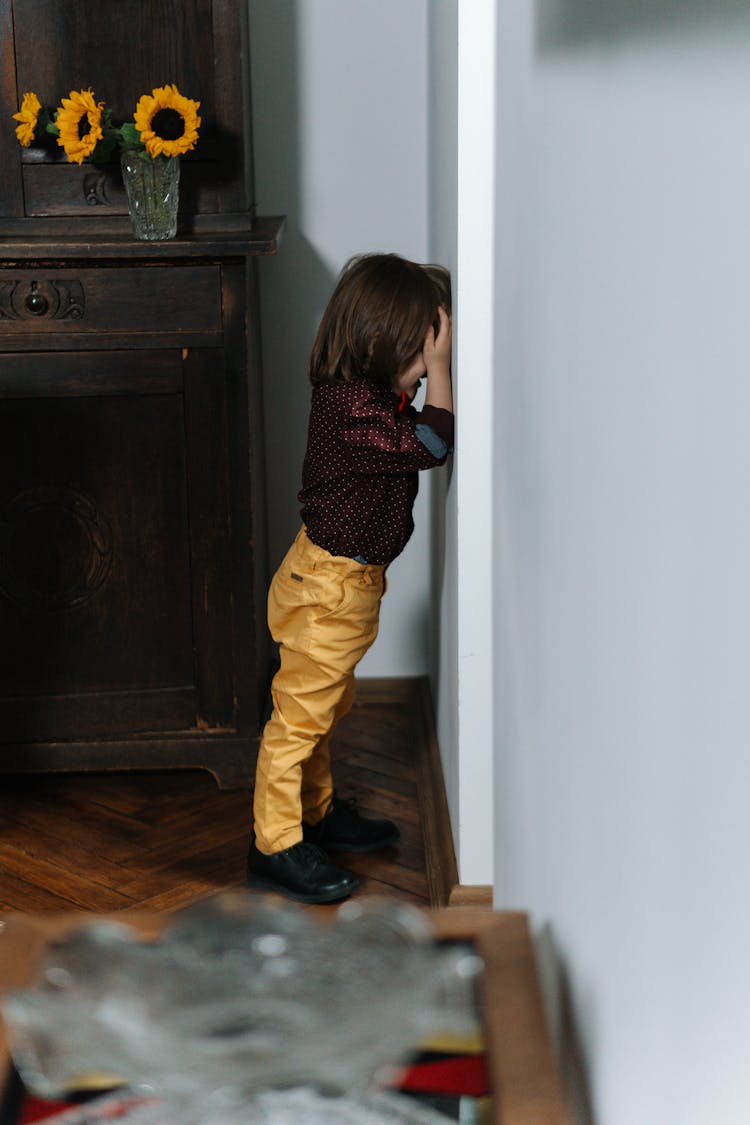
377	318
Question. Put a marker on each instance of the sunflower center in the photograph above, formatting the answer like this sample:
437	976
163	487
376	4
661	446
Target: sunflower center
168	124
84	126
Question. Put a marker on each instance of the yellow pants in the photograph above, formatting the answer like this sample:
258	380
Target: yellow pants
323	610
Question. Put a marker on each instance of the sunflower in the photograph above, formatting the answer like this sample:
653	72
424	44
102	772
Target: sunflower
167	122
79	121
28	115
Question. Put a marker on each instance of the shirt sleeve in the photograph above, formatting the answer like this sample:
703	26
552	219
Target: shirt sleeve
434	428
433	441
379	439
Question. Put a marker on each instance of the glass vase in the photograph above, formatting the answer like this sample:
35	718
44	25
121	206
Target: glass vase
152	185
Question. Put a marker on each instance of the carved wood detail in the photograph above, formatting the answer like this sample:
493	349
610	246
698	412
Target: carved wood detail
55	548
48	299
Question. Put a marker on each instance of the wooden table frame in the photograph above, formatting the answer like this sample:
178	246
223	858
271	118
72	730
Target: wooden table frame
525	1083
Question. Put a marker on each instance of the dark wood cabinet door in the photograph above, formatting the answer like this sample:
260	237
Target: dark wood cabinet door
115	608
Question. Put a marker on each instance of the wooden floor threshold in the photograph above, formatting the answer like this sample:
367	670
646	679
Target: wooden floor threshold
471	895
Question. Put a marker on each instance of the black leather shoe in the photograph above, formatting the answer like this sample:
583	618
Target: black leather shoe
344	829
302	872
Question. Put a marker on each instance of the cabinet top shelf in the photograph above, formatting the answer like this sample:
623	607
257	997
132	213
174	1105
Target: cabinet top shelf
261	237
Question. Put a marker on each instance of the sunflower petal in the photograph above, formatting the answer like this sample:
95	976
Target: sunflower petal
79	104
28	116
161	98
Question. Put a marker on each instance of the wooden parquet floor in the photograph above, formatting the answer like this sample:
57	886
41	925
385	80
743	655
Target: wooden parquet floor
162	840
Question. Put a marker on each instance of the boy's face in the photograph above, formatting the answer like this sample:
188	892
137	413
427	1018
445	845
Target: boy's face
408	381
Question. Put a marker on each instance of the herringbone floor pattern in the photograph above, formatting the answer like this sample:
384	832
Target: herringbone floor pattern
159	841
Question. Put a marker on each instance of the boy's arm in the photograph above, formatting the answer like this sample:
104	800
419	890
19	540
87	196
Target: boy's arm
388	442
437	358
435	429
380	439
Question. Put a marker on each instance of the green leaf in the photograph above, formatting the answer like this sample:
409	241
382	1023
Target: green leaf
102	151
45	122
131	138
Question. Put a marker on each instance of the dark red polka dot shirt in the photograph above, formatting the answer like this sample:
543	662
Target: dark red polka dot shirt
359	478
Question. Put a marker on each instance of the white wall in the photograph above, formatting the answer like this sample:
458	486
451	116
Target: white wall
340	113
622	537
474	415
462	205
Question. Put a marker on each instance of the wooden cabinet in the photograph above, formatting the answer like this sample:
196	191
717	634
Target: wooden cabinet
132	550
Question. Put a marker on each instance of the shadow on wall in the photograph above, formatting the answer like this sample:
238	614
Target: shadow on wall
441	481
566	24
296	284
562	1021
442	26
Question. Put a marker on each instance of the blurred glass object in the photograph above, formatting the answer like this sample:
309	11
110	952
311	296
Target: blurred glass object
243	1008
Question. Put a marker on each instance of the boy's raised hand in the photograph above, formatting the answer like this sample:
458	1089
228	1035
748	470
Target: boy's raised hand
437	346
437	358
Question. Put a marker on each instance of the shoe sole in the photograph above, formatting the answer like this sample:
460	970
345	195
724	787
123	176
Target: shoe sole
261	884
359	849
